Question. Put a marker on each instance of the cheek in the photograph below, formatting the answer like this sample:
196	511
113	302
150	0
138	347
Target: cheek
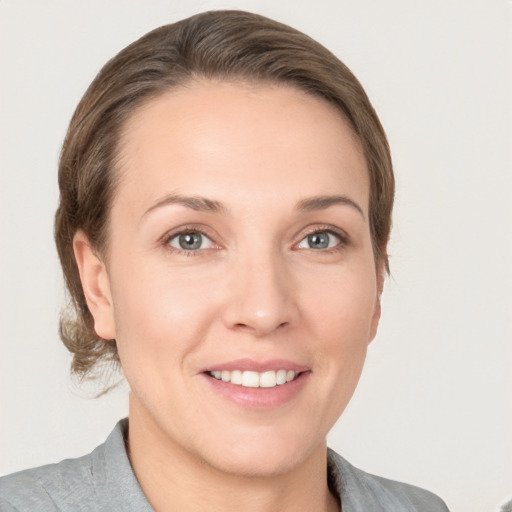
161	316
342	316
344	302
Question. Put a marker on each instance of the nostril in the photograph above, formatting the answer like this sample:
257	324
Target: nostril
260	328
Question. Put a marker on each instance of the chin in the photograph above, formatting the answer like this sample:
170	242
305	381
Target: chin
261	456
264	466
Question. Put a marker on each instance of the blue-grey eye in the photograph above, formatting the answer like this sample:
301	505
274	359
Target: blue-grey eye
190	241
320	240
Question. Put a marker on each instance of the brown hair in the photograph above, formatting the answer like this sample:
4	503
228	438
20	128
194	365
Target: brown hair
232	45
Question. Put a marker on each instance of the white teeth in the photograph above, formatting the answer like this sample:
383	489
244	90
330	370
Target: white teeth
281	377
251	379
268	379
236	377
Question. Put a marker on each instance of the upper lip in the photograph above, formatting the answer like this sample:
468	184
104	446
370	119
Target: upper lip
257	366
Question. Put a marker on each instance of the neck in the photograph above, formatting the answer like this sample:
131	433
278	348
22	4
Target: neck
174	479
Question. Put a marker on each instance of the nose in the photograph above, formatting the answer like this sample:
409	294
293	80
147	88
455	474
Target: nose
261	298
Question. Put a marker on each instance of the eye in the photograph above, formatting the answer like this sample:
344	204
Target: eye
190	241
320	240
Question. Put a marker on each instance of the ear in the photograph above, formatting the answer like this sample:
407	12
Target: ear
380	272
96	286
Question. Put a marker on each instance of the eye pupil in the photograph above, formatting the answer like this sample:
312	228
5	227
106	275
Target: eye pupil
318	240
190	241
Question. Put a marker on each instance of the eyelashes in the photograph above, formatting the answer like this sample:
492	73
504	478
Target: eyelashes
189	241
195	240
322	240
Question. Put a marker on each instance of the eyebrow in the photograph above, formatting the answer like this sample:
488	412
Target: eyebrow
203	204
324	202
197	203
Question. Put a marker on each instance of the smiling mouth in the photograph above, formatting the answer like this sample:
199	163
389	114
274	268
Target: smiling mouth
251	379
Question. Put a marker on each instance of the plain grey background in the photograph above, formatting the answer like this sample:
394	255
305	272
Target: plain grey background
434	403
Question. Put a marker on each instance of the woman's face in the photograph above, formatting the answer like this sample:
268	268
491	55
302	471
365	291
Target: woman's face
240	255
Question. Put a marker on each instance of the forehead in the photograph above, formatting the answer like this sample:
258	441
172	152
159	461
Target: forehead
207	138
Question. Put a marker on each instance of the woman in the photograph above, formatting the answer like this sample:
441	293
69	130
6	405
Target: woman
226	195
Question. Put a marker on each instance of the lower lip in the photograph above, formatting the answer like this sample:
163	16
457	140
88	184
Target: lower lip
259	398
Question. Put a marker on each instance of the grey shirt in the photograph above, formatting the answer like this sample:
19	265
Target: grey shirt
104	481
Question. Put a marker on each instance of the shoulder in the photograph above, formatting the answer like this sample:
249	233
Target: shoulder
361	491
55	487
100	481
506	507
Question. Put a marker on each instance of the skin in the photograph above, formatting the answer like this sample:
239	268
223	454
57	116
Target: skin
255	289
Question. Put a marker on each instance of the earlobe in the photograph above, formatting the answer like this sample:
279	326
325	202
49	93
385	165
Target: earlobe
96	286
